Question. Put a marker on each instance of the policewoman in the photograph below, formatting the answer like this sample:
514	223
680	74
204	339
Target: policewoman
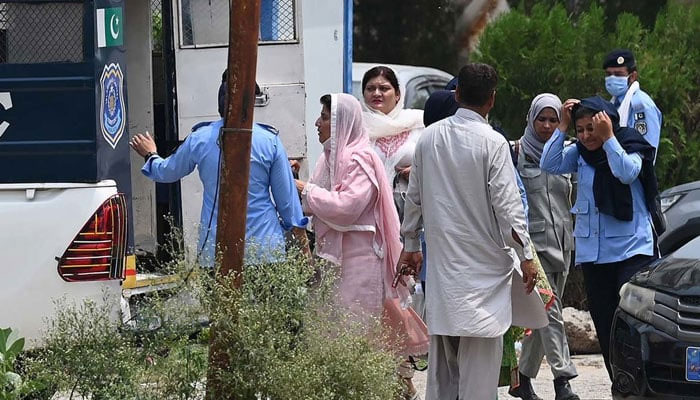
614	204
636	109
550	227
270	179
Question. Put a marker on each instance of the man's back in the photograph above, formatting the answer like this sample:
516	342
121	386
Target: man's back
457	154
465	178
269	173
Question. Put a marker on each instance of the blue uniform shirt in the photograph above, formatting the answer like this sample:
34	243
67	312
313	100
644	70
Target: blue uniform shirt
602	238
273	202
644	116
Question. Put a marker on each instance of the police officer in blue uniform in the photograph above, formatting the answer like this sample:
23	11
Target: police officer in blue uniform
614	202
636	109
273	203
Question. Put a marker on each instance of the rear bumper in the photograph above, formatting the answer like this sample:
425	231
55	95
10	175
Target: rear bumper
648	363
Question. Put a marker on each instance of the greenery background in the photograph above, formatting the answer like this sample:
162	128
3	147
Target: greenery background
557	46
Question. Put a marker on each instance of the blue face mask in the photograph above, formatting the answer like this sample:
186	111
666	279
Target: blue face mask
616	85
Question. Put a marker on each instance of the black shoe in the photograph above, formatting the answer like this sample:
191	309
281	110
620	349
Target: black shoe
525	390
562	390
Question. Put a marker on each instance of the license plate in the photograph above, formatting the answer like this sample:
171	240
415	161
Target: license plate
692	364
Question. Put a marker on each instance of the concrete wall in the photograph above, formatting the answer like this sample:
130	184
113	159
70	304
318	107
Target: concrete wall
323	62
140	116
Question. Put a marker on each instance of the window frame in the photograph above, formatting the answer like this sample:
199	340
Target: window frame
181	35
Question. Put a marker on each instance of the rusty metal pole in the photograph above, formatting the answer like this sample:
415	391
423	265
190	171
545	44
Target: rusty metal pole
244	26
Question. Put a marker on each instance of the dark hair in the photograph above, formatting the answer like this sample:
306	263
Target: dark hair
476	83
223	92
581	111
381	70
326	101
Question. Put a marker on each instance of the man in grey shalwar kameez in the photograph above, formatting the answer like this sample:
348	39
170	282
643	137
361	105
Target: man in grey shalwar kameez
462	191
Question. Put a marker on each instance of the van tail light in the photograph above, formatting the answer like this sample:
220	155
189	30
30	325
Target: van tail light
98	252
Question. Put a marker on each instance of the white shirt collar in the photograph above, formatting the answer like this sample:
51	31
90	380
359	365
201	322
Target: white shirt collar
470	115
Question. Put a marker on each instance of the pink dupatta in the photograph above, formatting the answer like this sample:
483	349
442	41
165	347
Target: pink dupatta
350	142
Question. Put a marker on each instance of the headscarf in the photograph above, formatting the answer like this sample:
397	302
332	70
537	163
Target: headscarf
531	143
399	120
391	132
611	196
440	105
349	142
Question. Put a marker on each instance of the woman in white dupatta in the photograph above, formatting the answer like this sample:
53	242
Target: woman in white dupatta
392	129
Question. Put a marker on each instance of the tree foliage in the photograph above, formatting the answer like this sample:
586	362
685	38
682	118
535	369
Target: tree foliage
418	32
551	50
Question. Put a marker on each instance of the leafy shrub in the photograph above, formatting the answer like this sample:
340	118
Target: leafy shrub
549	50
11	383
278	331
283	338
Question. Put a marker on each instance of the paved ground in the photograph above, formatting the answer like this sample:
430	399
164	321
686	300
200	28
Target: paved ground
591	384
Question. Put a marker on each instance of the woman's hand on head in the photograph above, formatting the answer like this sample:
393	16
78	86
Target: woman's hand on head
566	114
602	126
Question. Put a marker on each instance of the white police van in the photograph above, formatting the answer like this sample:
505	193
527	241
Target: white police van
77	79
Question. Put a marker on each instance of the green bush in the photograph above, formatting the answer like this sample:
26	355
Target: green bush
548	50
278	332
284	338
11	383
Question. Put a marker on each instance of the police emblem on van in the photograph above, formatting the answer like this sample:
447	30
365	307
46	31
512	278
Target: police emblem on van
112	108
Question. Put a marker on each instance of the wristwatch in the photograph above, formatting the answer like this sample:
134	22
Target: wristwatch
149	155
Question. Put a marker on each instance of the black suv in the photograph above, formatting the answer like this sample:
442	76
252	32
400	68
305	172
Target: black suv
655	343
681	206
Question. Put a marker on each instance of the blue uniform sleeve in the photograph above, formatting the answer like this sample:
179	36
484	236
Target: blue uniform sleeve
284	191
557	159
170	169
646	119
625	167
523	195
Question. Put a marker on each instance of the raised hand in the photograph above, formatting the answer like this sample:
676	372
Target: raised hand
602	126
566	114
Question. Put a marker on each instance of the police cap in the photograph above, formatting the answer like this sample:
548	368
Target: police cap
620	58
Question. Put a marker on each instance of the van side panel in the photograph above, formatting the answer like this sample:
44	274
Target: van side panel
37	224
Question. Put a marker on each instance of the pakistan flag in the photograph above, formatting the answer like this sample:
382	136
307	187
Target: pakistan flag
109	27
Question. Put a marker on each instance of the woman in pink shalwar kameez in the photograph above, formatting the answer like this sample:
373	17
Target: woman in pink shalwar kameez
356	224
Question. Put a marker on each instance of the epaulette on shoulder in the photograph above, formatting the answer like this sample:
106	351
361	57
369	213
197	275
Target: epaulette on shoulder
269	128
199	125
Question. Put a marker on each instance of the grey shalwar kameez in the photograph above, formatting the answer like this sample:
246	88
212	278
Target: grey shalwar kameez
462	190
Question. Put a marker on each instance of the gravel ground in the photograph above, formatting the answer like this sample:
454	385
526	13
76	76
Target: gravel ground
591	384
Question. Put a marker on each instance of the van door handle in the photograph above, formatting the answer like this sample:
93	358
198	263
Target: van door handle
6	102
262	99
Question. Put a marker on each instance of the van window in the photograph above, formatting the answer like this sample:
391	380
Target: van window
33	33
205	23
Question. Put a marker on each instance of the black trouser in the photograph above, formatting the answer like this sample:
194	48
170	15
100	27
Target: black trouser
603	283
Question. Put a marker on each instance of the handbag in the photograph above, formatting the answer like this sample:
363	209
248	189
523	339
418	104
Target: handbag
399	187
405	326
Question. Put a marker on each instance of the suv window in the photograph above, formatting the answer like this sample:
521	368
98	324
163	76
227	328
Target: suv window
689	251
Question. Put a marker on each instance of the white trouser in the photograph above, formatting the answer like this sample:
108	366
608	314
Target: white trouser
463	368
